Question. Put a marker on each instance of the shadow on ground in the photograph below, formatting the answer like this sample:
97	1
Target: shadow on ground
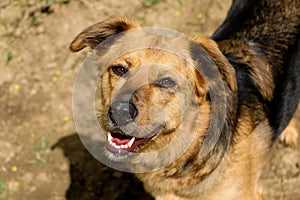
91	180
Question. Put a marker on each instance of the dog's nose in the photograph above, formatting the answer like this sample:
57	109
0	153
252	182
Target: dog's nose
122	113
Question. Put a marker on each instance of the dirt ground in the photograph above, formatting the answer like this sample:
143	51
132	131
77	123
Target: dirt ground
41	156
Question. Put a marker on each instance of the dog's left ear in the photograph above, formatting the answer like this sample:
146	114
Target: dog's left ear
224	67
97	33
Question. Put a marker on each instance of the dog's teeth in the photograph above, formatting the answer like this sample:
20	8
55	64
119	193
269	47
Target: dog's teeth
130	143
123	146
109	137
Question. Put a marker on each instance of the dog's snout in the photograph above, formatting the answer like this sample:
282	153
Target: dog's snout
122	113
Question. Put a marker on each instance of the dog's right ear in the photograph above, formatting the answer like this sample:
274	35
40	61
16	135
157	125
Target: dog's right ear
224	67
95	34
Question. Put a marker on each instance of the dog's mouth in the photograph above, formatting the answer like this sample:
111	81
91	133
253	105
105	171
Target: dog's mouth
121	143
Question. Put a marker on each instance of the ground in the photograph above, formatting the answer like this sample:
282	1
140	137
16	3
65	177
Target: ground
40	152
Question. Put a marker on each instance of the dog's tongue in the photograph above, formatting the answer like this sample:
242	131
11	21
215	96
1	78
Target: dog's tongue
119	141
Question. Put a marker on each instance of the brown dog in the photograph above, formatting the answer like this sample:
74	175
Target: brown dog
160	113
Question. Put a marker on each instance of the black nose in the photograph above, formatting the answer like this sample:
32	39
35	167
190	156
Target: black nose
122	113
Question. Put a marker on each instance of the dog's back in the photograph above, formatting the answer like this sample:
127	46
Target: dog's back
270	28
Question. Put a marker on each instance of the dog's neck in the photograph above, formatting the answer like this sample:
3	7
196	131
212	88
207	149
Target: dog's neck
210	179
195	170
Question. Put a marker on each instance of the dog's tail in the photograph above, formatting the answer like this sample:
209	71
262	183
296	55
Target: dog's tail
272	28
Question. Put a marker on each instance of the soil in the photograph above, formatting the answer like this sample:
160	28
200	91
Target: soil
41	156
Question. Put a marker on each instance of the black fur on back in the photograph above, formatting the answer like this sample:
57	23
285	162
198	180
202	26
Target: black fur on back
272	28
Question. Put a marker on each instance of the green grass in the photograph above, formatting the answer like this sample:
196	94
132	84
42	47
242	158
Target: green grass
149	3
34	20
40	153
3	190
8	56
53	1
2	186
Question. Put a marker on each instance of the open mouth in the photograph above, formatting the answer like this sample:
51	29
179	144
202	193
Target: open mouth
121	143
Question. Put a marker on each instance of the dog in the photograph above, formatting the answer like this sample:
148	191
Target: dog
198	132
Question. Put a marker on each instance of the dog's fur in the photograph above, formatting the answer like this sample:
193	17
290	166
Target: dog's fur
257	55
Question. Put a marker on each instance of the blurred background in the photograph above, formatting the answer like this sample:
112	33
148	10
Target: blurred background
41	156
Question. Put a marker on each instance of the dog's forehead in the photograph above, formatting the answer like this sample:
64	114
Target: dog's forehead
132	41
153	59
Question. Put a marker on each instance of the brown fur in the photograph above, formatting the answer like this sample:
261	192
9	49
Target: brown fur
232	168
290	134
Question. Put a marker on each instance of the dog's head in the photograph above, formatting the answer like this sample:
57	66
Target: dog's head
150	91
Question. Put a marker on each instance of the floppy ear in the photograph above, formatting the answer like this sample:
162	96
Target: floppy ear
95	34
224	67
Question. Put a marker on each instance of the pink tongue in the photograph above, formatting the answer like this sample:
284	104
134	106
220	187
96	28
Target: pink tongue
120	141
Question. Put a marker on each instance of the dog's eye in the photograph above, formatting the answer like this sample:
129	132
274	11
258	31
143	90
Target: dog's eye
166	83
119	70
